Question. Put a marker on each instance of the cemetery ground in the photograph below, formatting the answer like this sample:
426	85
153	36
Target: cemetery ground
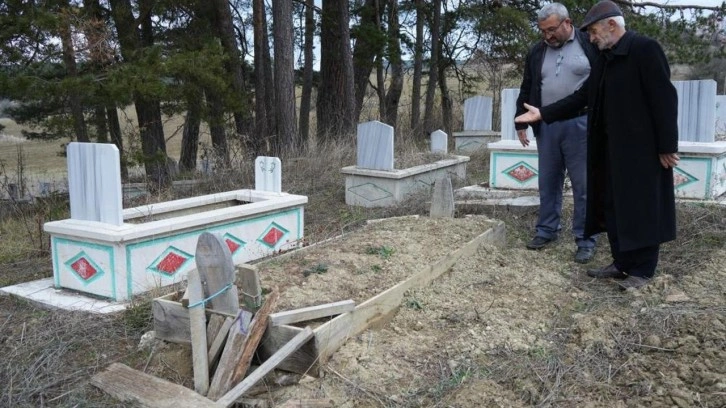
504	327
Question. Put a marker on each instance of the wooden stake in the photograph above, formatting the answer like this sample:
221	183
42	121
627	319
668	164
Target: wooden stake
198	328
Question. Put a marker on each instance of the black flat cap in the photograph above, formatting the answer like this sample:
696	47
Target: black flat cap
599	11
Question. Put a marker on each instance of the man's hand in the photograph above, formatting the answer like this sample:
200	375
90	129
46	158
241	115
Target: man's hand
532	116
668	160
522	135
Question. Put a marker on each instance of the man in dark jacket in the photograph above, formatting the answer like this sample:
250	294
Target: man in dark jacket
556	67
632	145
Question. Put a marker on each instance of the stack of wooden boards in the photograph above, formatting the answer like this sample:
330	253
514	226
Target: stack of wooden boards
224	336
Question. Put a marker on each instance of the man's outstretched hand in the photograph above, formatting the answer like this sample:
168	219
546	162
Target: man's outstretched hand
532	115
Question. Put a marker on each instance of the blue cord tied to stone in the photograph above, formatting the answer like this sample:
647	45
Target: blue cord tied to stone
204	301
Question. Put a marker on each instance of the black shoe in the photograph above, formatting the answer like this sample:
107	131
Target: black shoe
540	242
609	271
633	282
584	255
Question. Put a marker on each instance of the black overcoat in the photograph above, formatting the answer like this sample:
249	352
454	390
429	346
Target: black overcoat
632	118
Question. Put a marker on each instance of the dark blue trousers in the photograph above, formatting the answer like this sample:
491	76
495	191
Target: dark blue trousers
562	146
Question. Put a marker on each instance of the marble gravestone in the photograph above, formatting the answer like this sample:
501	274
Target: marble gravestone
268	174
508	111
478	113
439	142
375	146
94	182
696	110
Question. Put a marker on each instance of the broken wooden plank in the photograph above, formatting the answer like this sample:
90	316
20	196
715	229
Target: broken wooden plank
311	313
249	283
230	355
303	361
270	364
257	330
307	403
171	319
129	385
216	271
215	349
214	324
198	330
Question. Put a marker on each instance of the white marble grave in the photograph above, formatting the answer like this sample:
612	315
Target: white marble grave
154	245
439	142
94	182
512	165
375	146
696	110
720	114
268	174
477	125
478	113
378	184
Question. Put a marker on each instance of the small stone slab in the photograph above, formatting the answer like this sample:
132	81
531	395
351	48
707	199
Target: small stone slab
442	202
216	271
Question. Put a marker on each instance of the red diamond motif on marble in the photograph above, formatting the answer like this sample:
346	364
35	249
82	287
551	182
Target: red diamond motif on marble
171	263
273	236
232	245
84	269
679	179
521	173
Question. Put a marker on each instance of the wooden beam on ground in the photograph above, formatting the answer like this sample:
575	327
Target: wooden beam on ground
230	355
257	330
270	364
129	385
248	280
307	403
215	349
198	330
311	313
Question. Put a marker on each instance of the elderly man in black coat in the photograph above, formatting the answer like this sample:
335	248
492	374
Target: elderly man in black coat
632	145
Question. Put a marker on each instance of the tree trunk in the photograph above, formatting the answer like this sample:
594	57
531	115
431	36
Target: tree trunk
367	46
148	109
446	103
69	60
336	103
225	31
100	55
393	96
381	85
190	136
262	130
417	69
100	122
216	129
114	129
433	70
284	76
307	86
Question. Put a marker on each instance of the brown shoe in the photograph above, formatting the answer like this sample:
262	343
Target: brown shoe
633	282
606	272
